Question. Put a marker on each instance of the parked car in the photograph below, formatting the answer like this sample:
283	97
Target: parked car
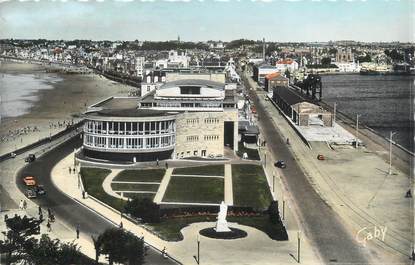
13	155
320	157
280	164
30	158
31	194
40	190
29	181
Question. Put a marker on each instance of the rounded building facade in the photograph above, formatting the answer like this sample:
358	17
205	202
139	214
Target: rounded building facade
129	135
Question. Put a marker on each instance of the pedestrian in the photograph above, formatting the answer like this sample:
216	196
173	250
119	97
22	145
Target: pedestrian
21	205
41	217
77	231
157	161
49	227
49	212
70	170
167	165
24	204
74	170
83	194
6	217
40	210
121	225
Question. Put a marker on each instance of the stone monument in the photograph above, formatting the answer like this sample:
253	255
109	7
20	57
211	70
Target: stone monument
221	223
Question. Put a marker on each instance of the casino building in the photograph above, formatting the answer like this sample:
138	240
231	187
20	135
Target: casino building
180	119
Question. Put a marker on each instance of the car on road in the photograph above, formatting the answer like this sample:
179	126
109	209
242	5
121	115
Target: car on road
30	158
280	164
40	190
30	193
29	181
321	157
13	155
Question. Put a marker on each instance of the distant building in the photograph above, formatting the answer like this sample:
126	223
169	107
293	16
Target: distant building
286	64
344	55
139	66
261	71
275	80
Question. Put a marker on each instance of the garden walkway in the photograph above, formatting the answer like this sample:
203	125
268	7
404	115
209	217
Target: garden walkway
163	186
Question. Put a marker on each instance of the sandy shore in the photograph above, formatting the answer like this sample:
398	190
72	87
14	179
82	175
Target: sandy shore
64	103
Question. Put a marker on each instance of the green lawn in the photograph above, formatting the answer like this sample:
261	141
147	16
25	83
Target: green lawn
134	187
92	179
169	229
194	189
252	153
212	170
250	186
139	195
145	175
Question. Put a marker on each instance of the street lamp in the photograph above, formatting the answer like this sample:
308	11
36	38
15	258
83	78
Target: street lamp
391	134
298	247
357	129
197	258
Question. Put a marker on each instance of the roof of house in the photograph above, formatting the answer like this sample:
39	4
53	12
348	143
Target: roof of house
286	61
272	75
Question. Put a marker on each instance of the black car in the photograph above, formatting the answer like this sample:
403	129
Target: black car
31	193
40	190
30	158
280	164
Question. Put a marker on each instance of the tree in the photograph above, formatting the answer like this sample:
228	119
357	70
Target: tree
19	238
121	247
326	61
364	59
145	209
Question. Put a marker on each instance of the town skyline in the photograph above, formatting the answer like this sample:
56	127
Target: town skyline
276	21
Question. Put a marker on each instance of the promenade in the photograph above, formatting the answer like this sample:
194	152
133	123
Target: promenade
356	185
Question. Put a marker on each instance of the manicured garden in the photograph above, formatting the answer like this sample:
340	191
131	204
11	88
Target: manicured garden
211	170
144	175
195	189
250	187
134	187
169	228
252	153
92	179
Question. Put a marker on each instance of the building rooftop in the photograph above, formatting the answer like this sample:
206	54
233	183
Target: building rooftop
131	112
288	95
194	82
117	103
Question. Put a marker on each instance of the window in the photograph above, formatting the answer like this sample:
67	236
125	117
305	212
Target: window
192	138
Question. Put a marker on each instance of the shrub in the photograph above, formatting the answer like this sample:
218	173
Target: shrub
145	209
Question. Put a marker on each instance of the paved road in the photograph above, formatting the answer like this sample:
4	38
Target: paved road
334	243
64	207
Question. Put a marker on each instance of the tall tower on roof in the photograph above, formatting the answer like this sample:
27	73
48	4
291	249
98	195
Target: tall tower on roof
263	49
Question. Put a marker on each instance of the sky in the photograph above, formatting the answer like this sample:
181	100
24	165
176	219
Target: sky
201	20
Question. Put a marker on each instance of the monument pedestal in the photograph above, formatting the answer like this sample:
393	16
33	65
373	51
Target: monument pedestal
222	226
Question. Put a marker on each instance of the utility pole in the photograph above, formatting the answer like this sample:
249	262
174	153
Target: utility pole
391	134
334	113
357	129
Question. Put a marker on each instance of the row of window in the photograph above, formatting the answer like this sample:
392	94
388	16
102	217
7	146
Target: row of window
211	137
211	120
129	128
192	138
129	143
192	121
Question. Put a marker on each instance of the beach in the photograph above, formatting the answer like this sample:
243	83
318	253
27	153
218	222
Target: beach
56	101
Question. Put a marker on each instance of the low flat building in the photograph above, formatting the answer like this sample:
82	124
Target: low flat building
300	110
